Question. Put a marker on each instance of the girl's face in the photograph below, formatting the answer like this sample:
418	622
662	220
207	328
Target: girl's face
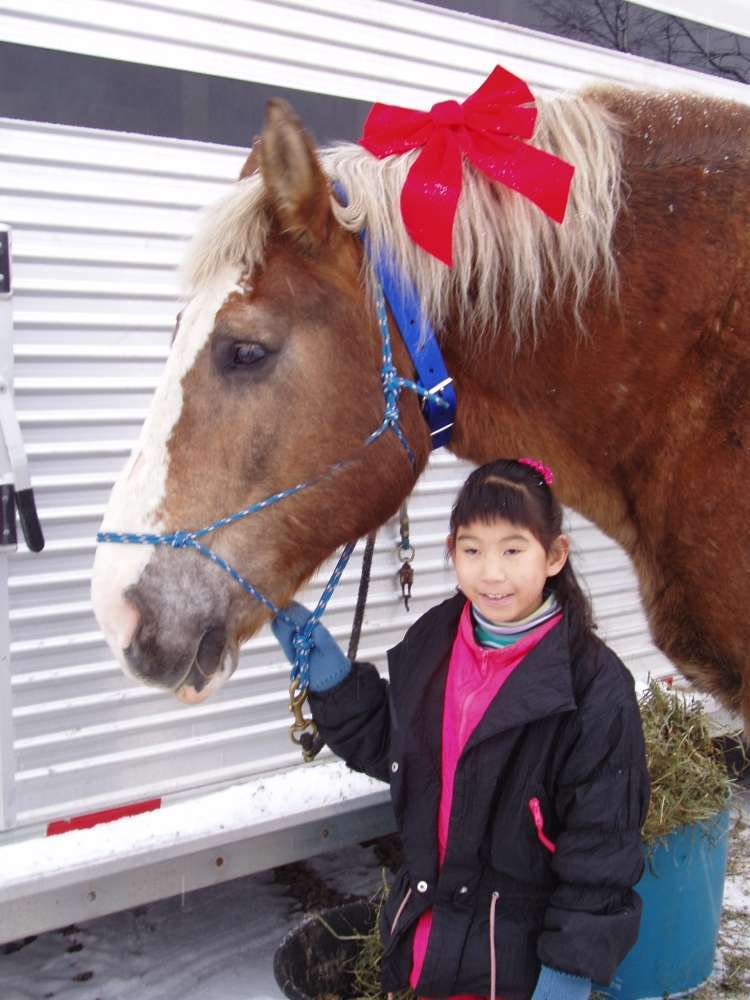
502	568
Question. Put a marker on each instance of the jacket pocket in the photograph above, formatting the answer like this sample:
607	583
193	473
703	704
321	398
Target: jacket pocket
393	914
397	767
414	784
535	809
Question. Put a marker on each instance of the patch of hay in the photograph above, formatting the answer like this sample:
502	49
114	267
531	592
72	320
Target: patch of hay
367	965
689	780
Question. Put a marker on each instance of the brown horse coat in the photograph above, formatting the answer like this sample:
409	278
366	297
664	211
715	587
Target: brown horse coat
619	355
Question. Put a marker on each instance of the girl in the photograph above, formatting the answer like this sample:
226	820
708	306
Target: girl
512	741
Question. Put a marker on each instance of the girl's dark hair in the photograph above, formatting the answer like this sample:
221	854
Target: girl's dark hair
518	493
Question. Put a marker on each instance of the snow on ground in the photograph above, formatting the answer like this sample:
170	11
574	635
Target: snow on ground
214	944
218	943
731	976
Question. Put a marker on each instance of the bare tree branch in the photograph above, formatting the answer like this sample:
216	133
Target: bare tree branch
620	25
712	57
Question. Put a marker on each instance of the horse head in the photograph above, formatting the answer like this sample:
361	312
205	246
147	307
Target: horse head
273	379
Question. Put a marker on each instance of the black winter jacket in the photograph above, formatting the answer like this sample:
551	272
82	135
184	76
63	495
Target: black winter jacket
564	730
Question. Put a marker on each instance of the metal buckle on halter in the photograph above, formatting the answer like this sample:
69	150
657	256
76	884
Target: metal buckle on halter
440	430
420	341
437	389
439	435
302	731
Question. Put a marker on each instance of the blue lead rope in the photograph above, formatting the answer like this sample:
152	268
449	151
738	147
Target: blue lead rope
392	385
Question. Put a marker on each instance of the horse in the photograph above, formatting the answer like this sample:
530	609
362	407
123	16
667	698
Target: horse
613	347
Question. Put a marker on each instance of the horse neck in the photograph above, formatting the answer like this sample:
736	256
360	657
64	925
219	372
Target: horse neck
550	402
615	411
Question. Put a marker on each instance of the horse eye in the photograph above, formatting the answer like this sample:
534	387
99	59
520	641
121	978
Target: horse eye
248	354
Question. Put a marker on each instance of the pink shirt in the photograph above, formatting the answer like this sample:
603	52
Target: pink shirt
475	675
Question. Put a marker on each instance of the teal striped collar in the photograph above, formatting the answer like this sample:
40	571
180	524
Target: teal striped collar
496	636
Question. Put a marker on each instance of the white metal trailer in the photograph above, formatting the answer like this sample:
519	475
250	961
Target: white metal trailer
99	222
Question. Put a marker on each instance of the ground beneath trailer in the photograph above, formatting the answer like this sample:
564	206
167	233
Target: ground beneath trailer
218	943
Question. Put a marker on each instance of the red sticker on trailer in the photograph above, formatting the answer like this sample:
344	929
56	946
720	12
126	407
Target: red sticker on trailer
86	821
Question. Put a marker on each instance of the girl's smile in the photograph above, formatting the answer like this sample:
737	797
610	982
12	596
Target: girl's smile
502	568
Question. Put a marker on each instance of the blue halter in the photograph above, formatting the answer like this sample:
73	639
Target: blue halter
438	398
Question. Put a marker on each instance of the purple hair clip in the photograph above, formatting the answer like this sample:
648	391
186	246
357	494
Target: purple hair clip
541	468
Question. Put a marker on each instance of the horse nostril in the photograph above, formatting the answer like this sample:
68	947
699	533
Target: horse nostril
176	669
142	666
210	650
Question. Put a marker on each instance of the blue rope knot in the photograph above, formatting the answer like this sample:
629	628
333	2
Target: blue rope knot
303	643
391	414
392	386
388	374
180	539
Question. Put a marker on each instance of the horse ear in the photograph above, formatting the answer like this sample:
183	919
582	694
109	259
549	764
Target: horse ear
293	176
253	159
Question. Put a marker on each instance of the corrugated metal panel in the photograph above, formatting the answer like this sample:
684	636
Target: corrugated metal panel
100	220
387	50
99	224
94	311
7	757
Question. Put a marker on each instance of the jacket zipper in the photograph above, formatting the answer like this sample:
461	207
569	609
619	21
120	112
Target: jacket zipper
536	813
493	970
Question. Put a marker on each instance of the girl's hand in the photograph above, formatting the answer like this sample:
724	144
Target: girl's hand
554	985
328	665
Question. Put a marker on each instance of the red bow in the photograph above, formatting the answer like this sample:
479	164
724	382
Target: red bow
487	129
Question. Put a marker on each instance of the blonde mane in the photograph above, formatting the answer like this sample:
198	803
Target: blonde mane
510	259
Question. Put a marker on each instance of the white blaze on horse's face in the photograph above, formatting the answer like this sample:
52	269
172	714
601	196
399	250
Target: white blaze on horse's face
137	500
266	387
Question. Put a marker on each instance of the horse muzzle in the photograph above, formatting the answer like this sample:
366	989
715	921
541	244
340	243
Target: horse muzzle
214	663
192	677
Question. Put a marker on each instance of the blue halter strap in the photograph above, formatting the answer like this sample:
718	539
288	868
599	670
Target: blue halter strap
392	384
418	335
